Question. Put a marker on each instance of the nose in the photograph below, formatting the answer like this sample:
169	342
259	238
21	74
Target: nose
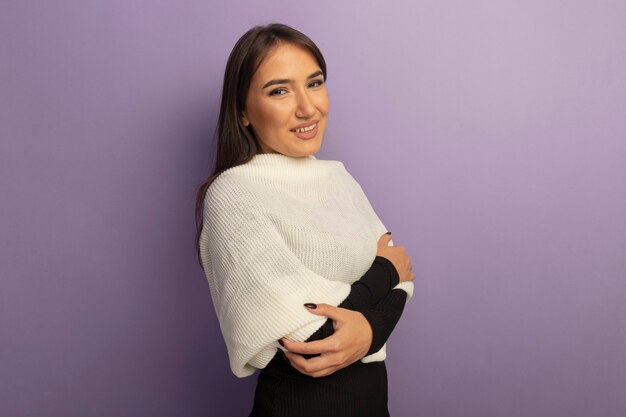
304	105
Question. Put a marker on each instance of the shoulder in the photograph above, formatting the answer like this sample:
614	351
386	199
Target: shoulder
228	186
230	201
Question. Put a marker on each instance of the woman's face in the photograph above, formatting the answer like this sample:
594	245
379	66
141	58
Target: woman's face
287	102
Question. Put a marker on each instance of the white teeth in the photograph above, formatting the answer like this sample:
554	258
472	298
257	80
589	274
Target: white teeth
306	129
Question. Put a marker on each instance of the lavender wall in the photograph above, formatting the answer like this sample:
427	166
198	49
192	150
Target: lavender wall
489	136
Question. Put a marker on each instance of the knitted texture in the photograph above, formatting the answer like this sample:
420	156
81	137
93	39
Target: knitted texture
278	232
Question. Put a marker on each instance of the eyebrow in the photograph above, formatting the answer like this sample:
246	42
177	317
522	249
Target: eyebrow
287	80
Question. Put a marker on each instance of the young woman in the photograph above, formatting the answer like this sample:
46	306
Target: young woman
304	277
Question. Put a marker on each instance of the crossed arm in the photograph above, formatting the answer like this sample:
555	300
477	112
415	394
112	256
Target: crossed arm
357	327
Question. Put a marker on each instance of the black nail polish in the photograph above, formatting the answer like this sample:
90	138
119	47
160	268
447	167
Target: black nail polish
310	305
280	341
388	233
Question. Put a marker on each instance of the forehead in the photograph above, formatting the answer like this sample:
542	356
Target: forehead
286	60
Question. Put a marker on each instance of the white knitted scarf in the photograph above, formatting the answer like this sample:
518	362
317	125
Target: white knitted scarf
279	232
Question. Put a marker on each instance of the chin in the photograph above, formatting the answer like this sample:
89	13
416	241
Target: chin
313	147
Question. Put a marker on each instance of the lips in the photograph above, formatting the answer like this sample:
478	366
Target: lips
305	127
307	131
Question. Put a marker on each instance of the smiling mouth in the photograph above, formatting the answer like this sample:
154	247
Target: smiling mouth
305	129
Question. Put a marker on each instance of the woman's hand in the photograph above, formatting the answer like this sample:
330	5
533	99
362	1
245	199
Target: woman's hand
398	257
350	342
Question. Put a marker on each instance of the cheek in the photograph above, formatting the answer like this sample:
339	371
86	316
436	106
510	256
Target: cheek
322	103
274	114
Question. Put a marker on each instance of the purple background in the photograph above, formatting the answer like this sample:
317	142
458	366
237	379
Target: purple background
489	137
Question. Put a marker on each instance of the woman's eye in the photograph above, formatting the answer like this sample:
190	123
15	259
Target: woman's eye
316	83
278	92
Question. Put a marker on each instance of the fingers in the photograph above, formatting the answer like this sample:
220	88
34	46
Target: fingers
325	345
336	351
316	367
328	344
334	313
385	238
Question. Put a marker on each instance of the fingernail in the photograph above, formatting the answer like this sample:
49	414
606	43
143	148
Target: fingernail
282	355
388	233
310	305
281	342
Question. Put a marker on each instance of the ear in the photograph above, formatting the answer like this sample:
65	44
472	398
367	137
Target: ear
244	119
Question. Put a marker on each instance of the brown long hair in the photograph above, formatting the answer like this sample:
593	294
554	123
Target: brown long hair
237	144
